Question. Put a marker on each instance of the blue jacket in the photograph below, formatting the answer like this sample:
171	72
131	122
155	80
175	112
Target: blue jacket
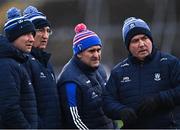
80	89
131	81
44	82
17	99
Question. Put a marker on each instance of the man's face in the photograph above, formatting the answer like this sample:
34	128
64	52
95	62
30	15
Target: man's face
41	38
91	56
24	42
140	46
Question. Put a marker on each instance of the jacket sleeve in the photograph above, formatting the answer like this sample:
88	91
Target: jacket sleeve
111	104
11	114
172	95
72	106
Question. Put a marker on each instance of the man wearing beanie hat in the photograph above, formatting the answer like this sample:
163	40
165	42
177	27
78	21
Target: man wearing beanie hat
42	74
143	90
17	98
81	82
17	27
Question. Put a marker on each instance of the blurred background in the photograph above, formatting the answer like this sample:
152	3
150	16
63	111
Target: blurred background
105	17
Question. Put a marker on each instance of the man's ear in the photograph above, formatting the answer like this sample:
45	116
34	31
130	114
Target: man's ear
79	55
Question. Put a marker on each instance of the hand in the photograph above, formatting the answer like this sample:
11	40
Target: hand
148	106
128	116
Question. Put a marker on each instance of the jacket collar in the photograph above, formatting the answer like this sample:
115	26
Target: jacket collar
41	55
85	68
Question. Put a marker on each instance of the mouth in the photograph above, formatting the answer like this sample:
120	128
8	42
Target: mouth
29	45
143	51
95	61
44	42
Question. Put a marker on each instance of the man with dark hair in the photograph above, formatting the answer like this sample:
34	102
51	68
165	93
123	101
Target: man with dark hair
143	90
41	72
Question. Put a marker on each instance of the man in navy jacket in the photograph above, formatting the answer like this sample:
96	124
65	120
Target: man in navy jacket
143	90
17	98
81	82
41	72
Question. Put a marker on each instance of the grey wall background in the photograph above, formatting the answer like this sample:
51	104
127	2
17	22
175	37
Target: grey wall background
105	17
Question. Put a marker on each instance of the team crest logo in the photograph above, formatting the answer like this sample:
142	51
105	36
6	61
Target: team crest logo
132	25
157	77
79	46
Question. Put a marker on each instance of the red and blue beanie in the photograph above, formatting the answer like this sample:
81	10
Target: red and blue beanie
38	18
17	25
134	26
84	39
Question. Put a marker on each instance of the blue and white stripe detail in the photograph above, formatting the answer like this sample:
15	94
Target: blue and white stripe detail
37	17
71	96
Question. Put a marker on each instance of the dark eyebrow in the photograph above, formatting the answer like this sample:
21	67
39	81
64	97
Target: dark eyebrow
94	49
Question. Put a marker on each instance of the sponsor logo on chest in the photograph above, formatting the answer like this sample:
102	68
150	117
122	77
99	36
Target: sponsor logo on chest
42	75
157	77
125	79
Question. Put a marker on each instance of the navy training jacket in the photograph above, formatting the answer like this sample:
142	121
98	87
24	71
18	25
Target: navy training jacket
131	80
44	83
17	98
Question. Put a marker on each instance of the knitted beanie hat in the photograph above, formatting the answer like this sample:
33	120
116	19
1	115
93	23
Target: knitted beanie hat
84	39
133	26
38	18
17	25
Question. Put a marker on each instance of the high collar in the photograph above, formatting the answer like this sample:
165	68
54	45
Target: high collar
84	67
41	55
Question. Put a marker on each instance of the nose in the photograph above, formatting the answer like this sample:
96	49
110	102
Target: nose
141	43
31	37
46	34
96	54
